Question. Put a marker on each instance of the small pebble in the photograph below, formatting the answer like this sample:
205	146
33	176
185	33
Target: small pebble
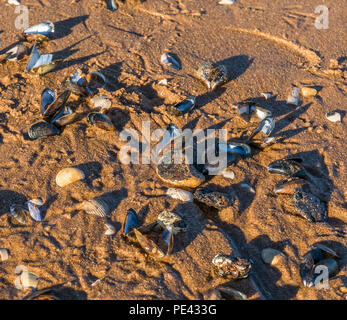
308	92
271	256
333	116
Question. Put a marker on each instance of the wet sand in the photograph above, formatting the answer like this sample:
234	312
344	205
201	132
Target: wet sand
266	47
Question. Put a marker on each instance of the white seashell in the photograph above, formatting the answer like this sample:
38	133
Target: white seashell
266	95
163	82
180	194
19	269
293	98
102	102
29	280
226	2
228	174
333	116
3	254
261	112
97	207
15	2
247	186
110	229
68	175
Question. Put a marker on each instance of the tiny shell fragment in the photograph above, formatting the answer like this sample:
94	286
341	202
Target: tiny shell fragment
3	254
333	116
102	102
293	98
180	194
69	175
110	229
29	280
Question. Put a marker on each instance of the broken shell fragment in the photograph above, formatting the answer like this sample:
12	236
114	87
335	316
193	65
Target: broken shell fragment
213	199
228	174
309	206
39	32
19	213
169	61
169	135
148	245
333	116
41	64
261	112
102	102
16	53
180	194
290	185
266	95
182	107
69	175
110	229
3	254
29	280
212	75
226	2
287	167
101	121
308	92
231	266
42	129
131	221
111	5
96	207
266	126
171	219
34	208
293	98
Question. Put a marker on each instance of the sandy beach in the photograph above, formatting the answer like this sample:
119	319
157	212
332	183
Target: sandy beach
266	46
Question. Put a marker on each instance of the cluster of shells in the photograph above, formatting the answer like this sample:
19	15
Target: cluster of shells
158	238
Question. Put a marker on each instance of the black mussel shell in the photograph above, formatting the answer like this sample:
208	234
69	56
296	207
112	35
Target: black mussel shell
131	221
55	107
309	206
42	129
100	120
287	167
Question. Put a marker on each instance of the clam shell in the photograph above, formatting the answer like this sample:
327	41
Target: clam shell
95	206
17	53
69	175
96	80
3	254
29	280
37	60
45	68
42	129
102	102
180	194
